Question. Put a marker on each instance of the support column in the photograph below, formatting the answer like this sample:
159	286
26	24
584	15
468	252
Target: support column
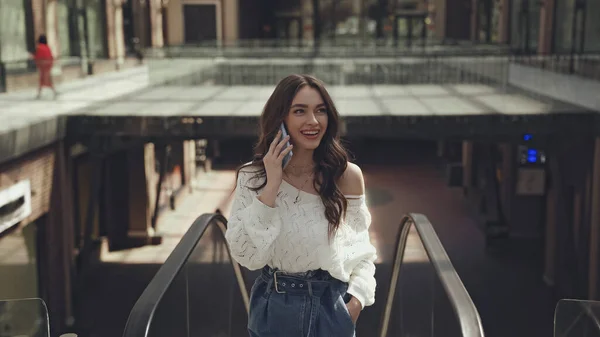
550	229
504	24
230	20
51	27
189	162
474	20
38	9
116	195
307	20
507	179
546	22
594	268
142	182
114	31
156	23
59	245
467	163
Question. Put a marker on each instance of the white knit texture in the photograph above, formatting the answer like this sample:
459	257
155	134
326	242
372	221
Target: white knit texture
293	237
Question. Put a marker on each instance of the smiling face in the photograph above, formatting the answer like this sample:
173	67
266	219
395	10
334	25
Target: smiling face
306	121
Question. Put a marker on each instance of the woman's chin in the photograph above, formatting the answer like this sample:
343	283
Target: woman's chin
307	145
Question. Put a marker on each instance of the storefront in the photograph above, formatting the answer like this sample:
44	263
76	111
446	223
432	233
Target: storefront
96	29
577	28
524	25
13	31
66	28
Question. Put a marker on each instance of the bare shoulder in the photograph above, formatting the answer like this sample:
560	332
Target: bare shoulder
352	181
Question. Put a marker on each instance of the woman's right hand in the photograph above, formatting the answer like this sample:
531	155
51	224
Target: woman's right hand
273	166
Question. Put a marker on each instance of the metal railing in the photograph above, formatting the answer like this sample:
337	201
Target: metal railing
307	50
584	65
464	309
489	70
142	314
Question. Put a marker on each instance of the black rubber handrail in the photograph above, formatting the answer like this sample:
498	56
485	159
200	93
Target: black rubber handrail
140	317
464	309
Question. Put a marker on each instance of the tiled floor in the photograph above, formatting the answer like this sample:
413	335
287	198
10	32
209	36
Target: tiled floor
20	108
506	288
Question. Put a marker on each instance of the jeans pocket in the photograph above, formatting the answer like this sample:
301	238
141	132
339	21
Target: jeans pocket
346	313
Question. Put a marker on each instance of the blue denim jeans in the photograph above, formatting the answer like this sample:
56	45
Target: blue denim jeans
299	305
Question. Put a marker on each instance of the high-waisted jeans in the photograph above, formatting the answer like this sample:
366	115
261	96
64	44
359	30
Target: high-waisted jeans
310	304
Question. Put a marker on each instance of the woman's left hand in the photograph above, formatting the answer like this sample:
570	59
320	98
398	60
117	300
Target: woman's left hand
354	308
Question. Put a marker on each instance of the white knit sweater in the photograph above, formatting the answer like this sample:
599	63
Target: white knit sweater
293	237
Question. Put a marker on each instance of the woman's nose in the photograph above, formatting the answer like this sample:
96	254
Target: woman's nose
311	118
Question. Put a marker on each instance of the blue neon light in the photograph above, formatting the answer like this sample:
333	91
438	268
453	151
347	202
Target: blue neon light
527	137
532	152
532	159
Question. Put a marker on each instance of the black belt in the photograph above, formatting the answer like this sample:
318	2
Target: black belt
283	283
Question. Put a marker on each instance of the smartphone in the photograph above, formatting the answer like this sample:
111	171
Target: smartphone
288	156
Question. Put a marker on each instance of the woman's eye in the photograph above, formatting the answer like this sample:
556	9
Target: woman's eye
298	111
322	111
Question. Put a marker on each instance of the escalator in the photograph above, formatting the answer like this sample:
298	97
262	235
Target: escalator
200	291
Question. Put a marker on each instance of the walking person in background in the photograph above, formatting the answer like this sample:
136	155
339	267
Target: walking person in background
44	61
304	222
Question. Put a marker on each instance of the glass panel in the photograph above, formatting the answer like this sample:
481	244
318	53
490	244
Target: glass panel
95	16
525	22
18	263
24	318
63	21
592	27
565	10
205	298
577	318
412	313
13	32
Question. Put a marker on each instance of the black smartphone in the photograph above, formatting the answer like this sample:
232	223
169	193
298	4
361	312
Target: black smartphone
288	156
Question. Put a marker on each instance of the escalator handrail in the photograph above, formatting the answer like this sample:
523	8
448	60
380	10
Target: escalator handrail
464	308
140	318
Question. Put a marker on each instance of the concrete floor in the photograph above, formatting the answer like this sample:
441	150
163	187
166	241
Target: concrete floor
506	287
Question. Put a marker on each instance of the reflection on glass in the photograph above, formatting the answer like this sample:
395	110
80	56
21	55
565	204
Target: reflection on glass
592	27
18	263
565	10
577	318
24	318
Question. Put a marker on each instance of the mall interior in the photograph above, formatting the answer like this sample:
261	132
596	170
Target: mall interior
474	122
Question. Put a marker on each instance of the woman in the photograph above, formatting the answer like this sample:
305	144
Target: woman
44	61
306	225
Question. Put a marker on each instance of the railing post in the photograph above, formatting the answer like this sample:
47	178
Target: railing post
2	77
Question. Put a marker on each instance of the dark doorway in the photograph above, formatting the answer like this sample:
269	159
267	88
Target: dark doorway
458	20
200	23
128	31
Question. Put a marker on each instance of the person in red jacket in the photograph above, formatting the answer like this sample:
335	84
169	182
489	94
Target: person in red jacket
44	62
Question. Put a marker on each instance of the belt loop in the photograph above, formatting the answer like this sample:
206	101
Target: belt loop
310	290
277	283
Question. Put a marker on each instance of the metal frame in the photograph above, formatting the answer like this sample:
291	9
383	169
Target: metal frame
141	316
218	13
466	313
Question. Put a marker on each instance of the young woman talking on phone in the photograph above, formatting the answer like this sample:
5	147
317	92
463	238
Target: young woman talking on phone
305	224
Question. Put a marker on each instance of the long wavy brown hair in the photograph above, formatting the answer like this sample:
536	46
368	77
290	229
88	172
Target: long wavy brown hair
330	157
